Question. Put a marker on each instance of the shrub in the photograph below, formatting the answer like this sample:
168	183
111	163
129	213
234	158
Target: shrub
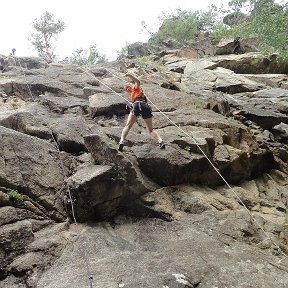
184	26
15	196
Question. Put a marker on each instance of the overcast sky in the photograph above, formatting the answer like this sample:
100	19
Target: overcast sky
109	24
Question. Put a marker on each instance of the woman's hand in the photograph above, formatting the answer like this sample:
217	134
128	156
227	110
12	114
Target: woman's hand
134	79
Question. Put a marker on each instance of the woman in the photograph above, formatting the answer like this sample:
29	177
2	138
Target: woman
139	107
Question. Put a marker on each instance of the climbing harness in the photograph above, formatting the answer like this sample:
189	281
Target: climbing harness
268	238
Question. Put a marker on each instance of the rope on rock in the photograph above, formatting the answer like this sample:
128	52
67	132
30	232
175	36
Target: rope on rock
109	88
86	259
201	150
63	171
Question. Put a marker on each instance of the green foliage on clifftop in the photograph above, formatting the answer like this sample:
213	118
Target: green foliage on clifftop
266	20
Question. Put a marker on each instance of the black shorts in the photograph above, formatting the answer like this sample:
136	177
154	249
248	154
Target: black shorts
141	108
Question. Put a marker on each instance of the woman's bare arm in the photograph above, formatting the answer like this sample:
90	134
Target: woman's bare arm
134	79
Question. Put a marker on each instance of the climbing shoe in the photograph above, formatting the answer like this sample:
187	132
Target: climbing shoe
162	145
120	148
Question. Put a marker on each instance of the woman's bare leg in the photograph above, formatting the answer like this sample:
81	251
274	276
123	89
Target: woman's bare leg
129	123
151	131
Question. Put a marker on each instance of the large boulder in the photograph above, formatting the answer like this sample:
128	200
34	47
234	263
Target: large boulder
18	63
69	132
64	104
24	122
138	49
104	150
32	167
235	18
98	192
107	104
172	166
61	80
14	238
216	78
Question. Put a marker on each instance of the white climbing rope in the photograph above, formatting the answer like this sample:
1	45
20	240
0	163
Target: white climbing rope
89	274
86	259
267	237
109	88
63	171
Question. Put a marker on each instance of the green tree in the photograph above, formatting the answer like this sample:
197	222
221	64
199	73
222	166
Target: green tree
267	20
47	30
184	26
270	23
123	50
86	57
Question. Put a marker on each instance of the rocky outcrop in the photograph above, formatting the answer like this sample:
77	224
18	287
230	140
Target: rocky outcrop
12	62
138	49
60	126
152	253
237	46
31	166
235	18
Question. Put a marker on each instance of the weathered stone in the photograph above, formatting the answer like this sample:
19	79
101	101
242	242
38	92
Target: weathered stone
88	91
98	72
9	63
264	118
14	237
144	243
11	214
4	199
105	182
138	49
59	80
63	105
107	104
173	166
69	133
98	191
104	150
31	166
26	123
233	163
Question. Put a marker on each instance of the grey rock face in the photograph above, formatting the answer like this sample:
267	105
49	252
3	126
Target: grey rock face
152	253
97	191
138	49
167	219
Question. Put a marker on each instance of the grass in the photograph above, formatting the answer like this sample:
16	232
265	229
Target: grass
139	130
53	122
181	86
15	196
144	59
9	77
148	61
113	141
13	103
179	135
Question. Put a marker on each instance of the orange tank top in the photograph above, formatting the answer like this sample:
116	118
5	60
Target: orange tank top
135	92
